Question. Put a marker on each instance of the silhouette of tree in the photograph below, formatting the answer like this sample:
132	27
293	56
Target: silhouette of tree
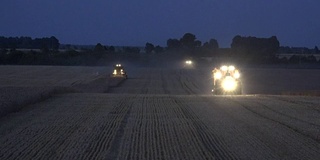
158	49
254	49
210	48
173	44
188	41
112	49
316	49
98	48
149	47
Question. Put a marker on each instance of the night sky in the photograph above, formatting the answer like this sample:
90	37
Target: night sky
296	23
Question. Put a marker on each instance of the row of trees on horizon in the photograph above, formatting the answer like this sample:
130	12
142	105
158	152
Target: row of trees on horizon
46	43
243	49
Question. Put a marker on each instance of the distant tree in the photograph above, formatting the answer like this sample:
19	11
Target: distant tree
3	42
3	55
197	43
44	48
188	41
14	57
98	48
149	47
54	43
158	49
316	49
98	51
68	46
173	44
112	49
45	43
254	49
213	43
295	59
132	50
311	59
72	53
210	48
25	42
132	53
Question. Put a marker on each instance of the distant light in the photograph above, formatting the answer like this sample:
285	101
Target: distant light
229	84
224	68
188	62
231	68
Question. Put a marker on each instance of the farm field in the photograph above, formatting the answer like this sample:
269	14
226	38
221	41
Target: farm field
159	114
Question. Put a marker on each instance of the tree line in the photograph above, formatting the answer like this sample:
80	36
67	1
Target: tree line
45	43
250	50
243	49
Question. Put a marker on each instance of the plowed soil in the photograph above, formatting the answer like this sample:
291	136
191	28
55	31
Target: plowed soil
159	114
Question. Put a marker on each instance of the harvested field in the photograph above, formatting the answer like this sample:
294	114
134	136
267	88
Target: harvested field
167	114
22	85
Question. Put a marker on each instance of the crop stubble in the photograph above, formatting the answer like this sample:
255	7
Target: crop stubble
163	114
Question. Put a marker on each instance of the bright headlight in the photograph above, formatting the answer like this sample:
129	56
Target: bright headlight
188	62
236	75
115	71
231	68
229	84
217	75
224	68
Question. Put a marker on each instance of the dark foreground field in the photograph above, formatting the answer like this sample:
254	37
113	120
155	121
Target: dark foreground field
156	114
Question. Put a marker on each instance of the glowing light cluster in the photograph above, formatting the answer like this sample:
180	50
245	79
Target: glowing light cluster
224	68
227	68
189	62
236	75
229	84
217	75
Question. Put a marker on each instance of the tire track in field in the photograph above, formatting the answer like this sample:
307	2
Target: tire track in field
95	138
291	127
184	85
148	79
106	144
276	140
314	106
114	150
191	79
34	142
164	83
258	101
214	146
58	137
147	136
181	82
160	129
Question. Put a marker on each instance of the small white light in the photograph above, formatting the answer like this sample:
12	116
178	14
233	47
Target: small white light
224	68
188	62
231	68
217	75
237	75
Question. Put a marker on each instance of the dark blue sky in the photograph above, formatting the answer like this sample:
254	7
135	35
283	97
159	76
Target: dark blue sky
135	22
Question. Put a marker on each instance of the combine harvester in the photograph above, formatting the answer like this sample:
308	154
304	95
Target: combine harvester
119	71
117	76
226	81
